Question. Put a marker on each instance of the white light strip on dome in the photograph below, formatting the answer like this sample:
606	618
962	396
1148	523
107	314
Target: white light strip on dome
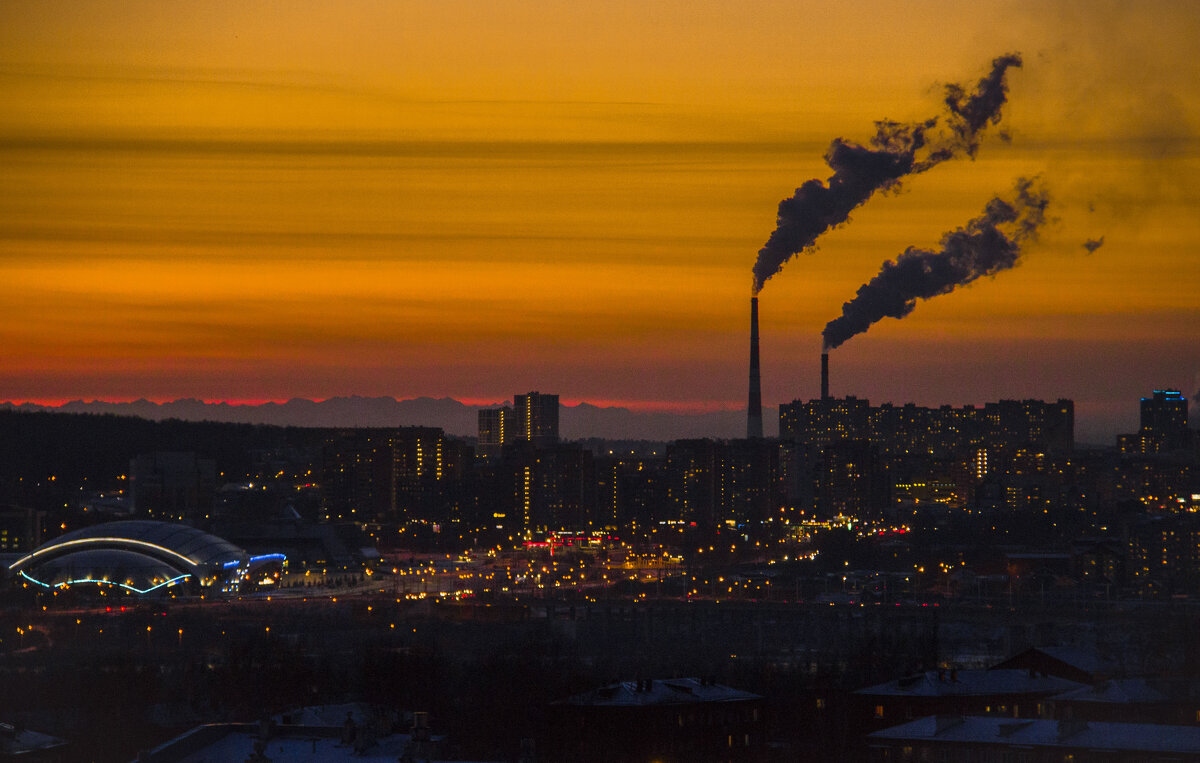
101	541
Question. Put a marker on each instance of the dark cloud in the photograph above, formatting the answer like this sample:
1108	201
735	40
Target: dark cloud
985	246
898	149
1092	244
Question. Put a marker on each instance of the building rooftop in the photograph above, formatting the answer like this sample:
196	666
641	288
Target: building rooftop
332	715
189	545
1072	661
672	691
302	743
1115	691
1116	737
943	683
1084	659
22	743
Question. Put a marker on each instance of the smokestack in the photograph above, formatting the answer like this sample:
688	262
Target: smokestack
754	424
824	376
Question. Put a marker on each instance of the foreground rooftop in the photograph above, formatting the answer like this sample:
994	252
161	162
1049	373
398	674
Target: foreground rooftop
965	683
1094	737
671	691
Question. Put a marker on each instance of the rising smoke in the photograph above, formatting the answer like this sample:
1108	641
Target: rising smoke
971	113
899	149
988	244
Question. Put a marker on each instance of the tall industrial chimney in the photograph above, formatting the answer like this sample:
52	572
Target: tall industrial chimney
824	376
754	424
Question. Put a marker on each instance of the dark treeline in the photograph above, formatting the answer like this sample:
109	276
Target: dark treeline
94	450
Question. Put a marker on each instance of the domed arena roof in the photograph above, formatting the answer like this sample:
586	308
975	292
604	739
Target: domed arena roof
137	556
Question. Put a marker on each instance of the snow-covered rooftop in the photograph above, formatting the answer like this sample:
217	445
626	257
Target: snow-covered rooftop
1125	737
305	744
671	691
958	683
1116	691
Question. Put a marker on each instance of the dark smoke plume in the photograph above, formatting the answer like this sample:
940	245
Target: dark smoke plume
972	113
988	244
1092	244
898	149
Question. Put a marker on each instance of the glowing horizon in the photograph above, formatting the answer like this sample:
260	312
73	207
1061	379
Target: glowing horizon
637	406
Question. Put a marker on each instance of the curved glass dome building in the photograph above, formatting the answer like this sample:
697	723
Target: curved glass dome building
139	557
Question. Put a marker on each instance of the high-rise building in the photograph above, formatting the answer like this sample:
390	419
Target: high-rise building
536	418
717	481
357	477
849	480
749	487
1165	418
497	426
630	488
1007	424
1164	425
1017	424
1165	412
552	488
821	422
692	467
417	471
385	475
849	455
1164	553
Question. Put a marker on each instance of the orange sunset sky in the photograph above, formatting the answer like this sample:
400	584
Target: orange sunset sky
258	201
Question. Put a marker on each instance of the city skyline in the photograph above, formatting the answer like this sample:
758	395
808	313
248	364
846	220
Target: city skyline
248	204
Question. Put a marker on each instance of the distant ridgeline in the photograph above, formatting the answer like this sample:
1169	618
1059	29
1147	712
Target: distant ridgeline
453	417
352	411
